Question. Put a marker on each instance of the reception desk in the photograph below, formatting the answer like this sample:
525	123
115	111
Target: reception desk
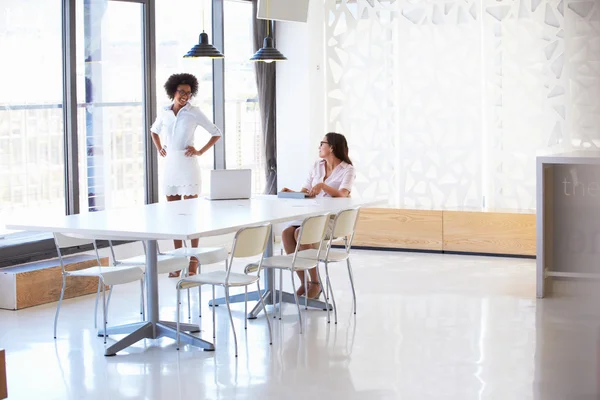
568	218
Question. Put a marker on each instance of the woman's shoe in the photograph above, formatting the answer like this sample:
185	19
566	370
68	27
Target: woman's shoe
174	274
314	290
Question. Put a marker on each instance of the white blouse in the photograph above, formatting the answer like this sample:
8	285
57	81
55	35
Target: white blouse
342	177
178	130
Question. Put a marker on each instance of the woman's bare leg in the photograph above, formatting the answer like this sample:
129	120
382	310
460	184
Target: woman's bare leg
288	237
300	248
193	267
176	243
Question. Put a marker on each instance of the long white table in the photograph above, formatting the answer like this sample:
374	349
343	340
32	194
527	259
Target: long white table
183	220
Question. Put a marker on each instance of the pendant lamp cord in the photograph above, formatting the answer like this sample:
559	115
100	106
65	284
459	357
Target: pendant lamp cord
203	4
268	20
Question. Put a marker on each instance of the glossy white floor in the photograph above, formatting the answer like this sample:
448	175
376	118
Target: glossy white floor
428	326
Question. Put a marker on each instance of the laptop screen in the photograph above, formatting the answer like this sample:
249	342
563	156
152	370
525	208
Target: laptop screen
229	184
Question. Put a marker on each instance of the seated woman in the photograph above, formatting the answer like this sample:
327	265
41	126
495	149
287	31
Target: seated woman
331	176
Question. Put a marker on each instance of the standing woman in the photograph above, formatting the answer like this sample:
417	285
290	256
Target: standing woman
177	123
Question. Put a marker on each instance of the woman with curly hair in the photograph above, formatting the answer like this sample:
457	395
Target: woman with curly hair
177	124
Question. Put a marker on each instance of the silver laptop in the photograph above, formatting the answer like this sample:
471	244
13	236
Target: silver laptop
230	184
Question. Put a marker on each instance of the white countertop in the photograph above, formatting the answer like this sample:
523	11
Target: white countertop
184	220
581	157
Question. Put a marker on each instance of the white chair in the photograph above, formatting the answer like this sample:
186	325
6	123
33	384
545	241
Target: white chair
312	230
113	275
164	265
205	256
248	242
344	226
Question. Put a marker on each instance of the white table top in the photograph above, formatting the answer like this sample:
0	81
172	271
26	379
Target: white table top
185	219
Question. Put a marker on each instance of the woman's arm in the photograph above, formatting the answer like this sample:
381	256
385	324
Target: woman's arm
303	190
344	187
329	190
157	144
154	130
203	121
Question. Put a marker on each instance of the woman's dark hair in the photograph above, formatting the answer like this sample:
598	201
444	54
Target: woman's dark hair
180	79
339	145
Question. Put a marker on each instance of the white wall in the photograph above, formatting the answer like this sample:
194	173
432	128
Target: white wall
300	96
447	104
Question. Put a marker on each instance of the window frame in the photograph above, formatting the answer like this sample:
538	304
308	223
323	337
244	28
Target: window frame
40	249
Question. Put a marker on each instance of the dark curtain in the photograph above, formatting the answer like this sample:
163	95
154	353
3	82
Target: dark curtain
265	81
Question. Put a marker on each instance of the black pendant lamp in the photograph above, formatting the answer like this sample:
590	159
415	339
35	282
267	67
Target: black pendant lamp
204	49
268	53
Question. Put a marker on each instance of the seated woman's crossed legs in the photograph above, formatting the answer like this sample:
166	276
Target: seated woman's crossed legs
289	237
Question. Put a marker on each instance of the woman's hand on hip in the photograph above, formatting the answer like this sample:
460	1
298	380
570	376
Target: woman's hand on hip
190	151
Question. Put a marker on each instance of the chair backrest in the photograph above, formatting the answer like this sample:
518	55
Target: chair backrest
345	222
313	229
251	241
64	240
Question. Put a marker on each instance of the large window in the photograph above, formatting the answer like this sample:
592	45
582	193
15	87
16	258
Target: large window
101	47
31	120
244	138
176	34
110	104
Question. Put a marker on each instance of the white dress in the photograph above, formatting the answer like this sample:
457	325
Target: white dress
181	175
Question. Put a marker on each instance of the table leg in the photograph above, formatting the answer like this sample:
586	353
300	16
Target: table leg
153	328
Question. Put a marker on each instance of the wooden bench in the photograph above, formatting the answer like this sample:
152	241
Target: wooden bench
40	282
499	232
3	383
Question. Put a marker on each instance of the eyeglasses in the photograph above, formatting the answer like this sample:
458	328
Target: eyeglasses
184	93
322	143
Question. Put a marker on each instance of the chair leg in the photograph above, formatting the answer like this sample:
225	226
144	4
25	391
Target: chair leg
326	294
189	302
246	306
62	294
96	306
331	290
274	293
104	309
213	312
280	293
186	273
200	301
231	320
178	311
143	304
266	315
108	301
199	292
351	275
305	289
296	298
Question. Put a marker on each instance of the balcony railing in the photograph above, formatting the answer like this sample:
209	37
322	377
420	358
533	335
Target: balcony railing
111	166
